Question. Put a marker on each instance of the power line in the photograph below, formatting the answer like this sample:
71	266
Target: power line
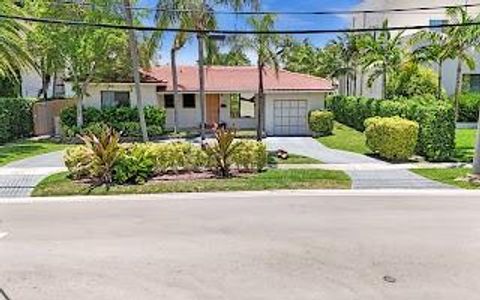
325	12
234	32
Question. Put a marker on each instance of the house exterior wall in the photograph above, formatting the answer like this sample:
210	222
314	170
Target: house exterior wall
93	99
397	19
191	117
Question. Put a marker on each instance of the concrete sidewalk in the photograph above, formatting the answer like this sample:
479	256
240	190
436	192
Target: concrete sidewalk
366	172
18	179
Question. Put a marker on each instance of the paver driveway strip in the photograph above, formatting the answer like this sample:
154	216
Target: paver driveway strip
362	178
18	179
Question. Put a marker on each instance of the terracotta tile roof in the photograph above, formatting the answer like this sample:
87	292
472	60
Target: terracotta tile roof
224	79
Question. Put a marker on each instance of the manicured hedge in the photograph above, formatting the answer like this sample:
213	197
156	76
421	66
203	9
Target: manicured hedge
16	120
122	119
321	122
393	138
469	104
436	140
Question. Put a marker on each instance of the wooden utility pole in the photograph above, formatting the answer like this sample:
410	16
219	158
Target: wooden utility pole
136	69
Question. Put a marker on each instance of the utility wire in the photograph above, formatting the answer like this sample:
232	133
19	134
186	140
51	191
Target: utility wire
234	32
326	12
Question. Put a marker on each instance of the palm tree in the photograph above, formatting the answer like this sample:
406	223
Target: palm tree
136	69
432	46
13	51
347	48
381	54
266	46
462	40
196	14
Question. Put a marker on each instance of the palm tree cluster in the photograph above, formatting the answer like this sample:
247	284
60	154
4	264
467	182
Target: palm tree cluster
383	54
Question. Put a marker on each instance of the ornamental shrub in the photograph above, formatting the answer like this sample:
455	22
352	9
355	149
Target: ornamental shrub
469	105
436	140
122	119
321	122
393	138
250	155
16	119
103	160
135	165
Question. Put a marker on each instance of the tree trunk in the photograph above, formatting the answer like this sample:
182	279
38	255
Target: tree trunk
260	97
80	111
476	160
44	86
362	78
175	87
458	88
440	79
201	77
136	69
384	82
54	85
355	82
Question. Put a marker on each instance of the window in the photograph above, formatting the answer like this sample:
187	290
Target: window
169	101
471	82
437	22
115	99
242	107
188	100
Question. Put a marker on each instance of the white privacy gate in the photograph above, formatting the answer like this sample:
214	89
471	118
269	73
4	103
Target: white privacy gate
290	117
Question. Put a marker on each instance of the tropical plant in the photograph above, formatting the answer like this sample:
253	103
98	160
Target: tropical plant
89	53
347	59
196	14
462	39
303	57
268	50
14	55
104	151
381	55
412	79
432	46
222	150
135	60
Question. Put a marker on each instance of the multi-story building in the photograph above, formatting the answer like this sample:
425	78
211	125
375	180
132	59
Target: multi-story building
411	18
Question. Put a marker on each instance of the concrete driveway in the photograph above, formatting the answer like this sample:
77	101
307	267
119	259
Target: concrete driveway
267	245
370	177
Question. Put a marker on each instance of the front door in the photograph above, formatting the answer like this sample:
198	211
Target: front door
213	109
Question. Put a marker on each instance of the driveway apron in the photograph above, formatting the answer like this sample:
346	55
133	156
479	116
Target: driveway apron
362	177
18	179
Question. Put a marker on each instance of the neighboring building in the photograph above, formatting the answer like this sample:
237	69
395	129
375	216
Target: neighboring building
32	86
230	97
426	17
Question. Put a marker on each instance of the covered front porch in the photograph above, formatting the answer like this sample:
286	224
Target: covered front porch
232	109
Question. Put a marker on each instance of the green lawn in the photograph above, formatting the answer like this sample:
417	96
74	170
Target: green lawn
346	138
465	144
60	185
24	149
448	176
292	159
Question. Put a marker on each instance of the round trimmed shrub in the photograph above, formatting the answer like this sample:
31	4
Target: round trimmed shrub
321	122
393	138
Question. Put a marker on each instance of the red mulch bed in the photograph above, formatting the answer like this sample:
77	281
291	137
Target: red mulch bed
183	176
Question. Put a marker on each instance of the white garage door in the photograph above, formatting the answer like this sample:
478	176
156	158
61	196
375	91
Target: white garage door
290	117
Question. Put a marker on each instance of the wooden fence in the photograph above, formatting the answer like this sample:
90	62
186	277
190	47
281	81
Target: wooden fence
46	115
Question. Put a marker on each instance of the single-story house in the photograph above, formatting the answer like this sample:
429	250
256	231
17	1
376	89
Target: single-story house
230	97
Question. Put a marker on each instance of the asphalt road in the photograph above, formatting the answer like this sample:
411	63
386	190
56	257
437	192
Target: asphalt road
284	245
